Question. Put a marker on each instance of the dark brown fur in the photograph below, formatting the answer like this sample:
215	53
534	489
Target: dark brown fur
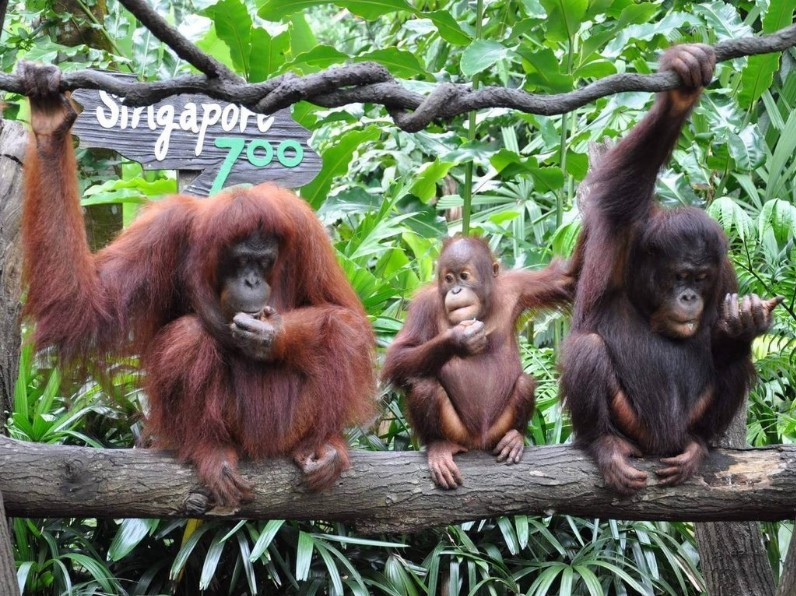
631	385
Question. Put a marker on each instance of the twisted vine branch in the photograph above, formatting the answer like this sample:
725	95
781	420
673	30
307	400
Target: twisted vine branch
369	82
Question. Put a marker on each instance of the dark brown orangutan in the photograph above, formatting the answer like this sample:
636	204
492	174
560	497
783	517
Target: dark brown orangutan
253	342
457	359
658	359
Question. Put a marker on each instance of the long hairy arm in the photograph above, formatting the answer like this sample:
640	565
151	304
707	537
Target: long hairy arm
82	302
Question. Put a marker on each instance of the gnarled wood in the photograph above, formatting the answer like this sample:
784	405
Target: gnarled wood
369	82
391	491
13	140
732	555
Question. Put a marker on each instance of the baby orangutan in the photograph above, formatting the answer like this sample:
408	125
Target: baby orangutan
457	358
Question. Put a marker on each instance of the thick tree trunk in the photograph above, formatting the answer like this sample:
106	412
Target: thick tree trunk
8	570
732	555
12	150
391	491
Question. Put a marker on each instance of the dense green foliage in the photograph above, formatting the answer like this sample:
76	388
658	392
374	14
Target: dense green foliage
388	197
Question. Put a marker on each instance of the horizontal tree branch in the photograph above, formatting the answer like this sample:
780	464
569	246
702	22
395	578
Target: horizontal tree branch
370	82
392	491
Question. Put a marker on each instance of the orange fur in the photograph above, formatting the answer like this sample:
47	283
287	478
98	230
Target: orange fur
154	292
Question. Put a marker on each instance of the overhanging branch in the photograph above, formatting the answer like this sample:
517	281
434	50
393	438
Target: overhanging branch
391	491
178	42
369	82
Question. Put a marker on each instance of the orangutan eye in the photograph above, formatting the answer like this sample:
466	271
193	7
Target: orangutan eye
701	277
464	275
682	276
449	278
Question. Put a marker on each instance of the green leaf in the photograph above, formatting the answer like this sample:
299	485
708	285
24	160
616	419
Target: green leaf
233	26
758	74
424	186
596	69
130	533
504	158
23	571
302	38
97	570
590	579
746	148
563	18
267	54
521	524
233	531
362	541
546	578
480	55
548	178
45	401
266	537
399	62
372	9
635	14
21	405
756	77
780	217
533	9
723	19
185	551
213	45
41	427
331	567
398	577
304	550
544	70
211	561
565	589
245	560
275	10
577	164
453	578
731	216
778	15
509	537
783	155
448	27
133	191
335	163
316	59
669	26
23	423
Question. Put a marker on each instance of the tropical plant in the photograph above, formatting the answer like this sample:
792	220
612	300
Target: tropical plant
387	197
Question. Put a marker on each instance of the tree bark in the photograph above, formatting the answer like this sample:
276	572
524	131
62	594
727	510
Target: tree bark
8	569
732	555
787	580
13	139
391	491
80	28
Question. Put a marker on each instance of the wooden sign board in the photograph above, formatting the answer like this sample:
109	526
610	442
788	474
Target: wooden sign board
228	143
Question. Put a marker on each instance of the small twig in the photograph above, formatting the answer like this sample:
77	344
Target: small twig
368	82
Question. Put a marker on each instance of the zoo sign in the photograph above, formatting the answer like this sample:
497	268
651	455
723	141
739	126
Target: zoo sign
228	143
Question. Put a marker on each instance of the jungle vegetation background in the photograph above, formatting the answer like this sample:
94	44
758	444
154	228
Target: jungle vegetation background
387	198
